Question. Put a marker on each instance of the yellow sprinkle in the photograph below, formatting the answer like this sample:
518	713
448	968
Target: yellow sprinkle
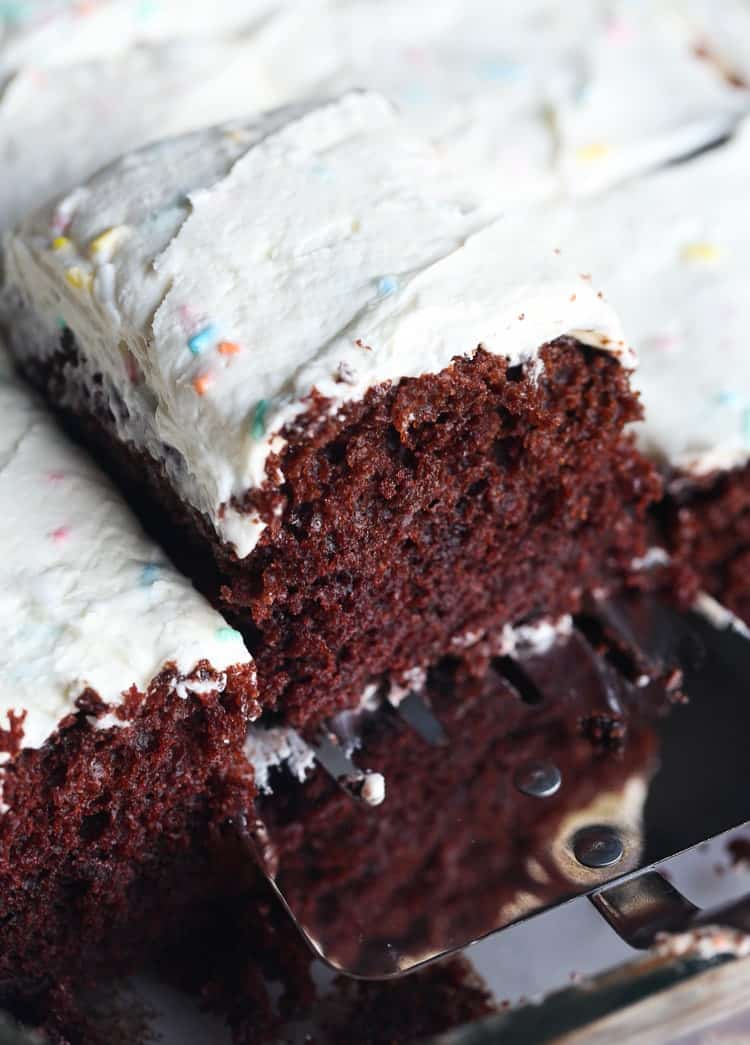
108	241
79	278
703	252
60	243
592	152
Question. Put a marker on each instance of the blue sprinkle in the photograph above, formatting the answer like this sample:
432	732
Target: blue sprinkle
415	93
746	426
14	11
728	397
227	634
387	285
205	337
149	574
322	172
500	69
258	428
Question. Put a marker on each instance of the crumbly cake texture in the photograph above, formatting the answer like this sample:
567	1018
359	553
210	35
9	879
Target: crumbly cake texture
316	347
689	320
125	700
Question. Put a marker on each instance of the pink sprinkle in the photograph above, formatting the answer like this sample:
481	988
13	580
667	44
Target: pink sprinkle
664	342
55	477
60	534
188	318
60	222
618	31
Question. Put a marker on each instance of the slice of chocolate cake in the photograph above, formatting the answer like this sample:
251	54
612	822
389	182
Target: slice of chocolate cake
381	422
124	700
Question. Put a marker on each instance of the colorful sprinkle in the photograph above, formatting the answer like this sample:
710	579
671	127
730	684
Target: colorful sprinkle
703	252
149	574
187	317
227	634
203	382
746	425
60	323
500	69
258	428
108	241
202	339
387	285
14	10
592	152
60	534
55	477
618	31
664	342
61	243
728	397
79	278
228	348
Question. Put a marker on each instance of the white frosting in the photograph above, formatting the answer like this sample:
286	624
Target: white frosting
59	124
60	32
530	98
267	749
86	599
320	244
673	251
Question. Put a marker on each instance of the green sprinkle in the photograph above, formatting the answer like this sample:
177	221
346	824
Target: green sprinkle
227	634
61	324
258	428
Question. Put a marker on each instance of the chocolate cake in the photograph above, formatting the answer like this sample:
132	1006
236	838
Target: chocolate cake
688	228
124	700
378	421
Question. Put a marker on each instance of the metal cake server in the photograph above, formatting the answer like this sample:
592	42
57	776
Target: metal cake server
582	774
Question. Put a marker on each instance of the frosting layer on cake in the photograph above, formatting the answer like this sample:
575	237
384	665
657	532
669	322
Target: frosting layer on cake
219	279
86	599
672	251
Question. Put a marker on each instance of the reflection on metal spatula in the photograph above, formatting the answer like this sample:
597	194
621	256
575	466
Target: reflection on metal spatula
557	772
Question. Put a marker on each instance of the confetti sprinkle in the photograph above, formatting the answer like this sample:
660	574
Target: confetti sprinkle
107	242
728	397
592	152
202	339
60	243
228	348
227	634
387	285
60	534
14	11
60	323
702	252
79	278
258	427
746	426
500	70
203	382
618	31
149	574
55	477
